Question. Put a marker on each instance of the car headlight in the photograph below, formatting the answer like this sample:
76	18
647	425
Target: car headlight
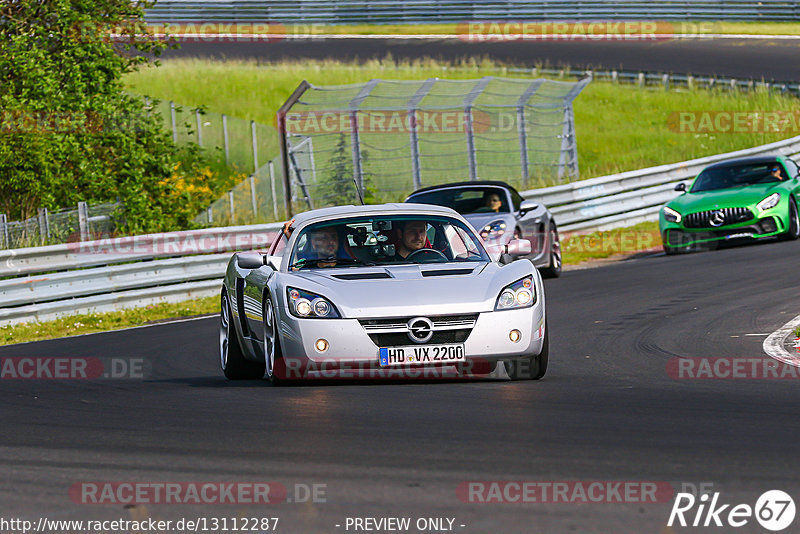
305	304
520	294
493	230
671	215
769	202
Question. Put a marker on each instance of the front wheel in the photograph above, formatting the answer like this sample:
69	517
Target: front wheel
533	367
273	356
793	232
554	269
234	365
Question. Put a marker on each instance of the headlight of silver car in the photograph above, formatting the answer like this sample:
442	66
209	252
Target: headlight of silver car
305	304
493	230
671	215
769	202
520	294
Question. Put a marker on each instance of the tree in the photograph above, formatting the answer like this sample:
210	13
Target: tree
69	132
338	186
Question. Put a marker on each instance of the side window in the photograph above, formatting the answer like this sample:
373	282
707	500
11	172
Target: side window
791	168
516	200
279	245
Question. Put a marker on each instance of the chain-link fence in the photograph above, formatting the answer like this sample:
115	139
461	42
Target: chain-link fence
241	143
259	198
71	224
392	137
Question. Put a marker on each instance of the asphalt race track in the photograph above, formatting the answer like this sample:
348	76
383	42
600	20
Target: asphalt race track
770	59
607	410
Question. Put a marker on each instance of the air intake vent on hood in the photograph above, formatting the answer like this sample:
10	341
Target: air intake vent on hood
361	276
447	272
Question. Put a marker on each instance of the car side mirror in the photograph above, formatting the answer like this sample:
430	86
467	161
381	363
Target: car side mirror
681	187
526	206
249	260
518	247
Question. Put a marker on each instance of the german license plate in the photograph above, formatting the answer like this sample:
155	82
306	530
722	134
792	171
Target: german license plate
421	354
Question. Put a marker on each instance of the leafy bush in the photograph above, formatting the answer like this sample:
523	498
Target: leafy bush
68	131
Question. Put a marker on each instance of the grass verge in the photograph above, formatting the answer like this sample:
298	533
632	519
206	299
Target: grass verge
74	325
599	245
619	127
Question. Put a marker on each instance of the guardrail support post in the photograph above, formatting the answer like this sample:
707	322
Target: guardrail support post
83	220
199	121
641	79
4	241
174	121
210	215
225	139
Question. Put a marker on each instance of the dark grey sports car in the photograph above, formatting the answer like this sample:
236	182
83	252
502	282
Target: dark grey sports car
499	213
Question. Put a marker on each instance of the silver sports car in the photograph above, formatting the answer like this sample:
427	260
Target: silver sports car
500	213
400	287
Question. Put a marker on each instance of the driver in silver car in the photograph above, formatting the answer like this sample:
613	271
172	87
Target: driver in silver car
412	236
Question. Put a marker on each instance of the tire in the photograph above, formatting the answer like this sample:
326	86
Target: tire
554	269
275	365
669	251
533	367
232	360
793	232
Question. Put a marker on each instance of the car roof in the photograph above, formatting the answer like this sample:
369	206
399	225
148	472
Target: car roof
493	183
336	212
753	160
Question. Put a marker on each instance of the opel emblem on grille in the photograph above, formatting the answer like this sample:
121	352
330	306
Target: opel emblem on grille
717	218
420	329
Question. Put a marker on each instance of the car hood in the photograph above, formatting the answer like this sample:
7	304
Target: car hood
734	197
406	290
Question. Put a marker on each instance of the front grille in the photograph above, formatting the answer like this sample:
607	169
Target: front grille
702	219
398	339
394	331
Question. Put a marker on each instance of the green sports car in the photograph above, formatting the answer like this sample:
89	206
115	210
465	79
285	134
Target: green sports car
738	200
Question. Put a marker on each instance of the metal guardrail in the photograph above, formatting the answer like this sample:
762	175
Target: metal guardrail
635	196
455	11
134	271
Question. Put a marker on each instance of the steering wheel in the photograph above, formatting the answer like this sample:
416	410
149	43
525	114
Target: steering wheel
426	250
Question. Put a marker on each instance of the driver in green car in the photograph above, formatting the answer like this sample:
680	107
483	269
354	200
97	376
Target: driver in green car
775	172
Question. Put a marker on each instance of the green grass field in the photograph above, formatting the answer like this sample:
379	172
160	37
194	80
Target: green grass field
619	127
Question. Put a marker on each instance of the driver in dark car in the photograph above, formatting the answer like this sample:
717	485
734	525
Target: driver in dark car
412	236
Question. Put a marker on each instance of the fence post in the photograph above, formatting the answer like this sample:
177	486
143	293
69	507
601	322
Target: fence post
255	145
469	100
210	214
174	121
225	139
252	181
665	79
690	82
614	76
230	203
44	230
147	106
272	187
641	79
199	127
83	220
4	231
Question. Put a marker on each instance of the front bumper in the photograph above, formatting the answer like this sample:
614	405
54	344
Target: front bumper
678	237
351	346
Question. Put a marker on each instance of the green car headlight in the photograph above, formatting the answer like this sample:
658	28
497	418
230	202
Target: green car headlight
671	215
769	202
